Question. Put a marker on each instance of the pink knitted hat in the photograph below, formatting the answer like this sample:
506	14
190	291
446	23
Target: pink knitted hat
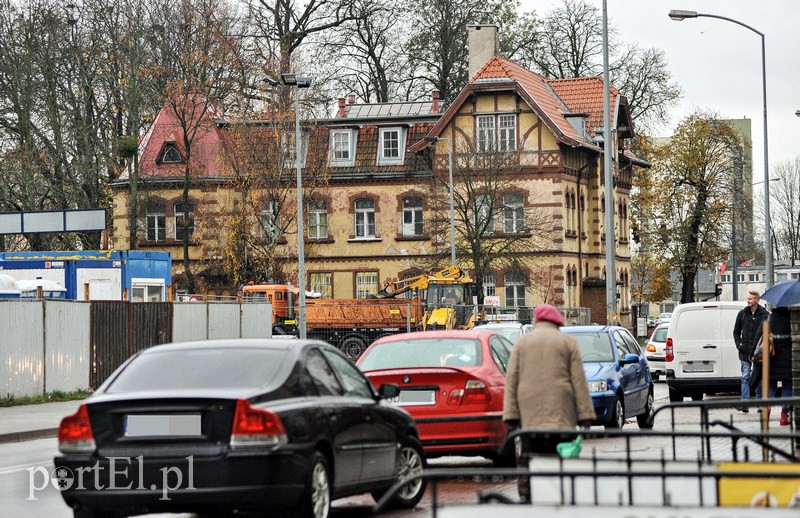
549	313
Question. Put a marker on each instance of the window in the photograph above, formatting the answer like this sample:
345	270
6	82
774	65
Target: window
485	133
366	284
412	216
342	147
156	221
322	375
484	220
753	277
322	283
270	221
508	133
170	154
513	217
289	145
515	289
317	219
497	133
489	285
501	353
391	148
184	217
355	384
365	218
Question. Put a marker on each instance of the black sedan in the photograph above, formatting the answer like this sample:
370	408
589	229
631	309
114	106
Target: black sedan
269	426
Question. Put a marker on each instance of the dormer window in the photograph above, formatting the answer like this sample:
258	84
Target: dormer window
391	146
170	154
342	152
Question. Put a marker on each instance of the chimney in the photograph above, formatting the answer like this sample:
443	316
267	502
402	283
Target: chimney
435	98
483	45
351	98
341	114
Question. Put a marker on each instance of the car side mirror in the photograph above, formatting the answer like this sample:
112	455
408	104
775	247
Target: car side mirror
388	391
629	358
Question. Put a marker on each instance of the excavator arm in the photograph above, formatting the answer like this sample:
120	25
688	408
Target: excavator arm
420	282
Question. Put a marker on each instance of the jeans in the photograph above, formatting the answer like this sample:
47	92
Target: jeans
746	366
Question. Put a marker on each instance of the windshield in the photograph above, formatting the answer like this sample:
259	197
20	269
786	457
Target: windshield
426	352
595	347
660	334
182	369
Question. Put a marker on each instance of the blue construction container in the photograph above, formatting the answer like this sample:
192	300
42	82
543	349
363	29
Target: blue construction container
103	274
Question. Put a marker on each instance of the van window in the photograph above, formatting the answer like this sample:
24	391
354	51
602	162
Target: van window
700	323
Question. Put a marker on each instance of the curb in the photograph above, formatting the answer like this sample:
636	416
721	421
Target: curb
30	435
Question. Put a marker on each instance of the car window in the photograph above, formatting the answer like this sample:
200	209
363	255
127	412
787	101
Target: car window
422	352
355	384
633	346
595	347
322	374
501	352
619	342
660	334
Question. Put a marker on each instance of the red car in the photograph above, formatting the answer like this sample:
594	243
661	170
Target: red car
451	382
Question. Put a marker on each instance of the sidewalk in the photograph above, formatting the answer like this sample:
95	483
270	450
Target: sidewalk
28	422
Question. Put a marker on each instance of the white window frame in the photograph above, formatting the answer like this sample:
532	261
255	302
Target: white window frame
169	152
345	150
514	289
181	214
290	149
322	282
483	209
401	146
366	284
270	227
364	219
317	219
157	221
507	133
415	215
147	290
486	133
513	213
489	285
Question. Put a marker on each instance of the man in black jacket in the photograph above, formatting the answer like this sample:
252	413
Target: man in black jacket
747	334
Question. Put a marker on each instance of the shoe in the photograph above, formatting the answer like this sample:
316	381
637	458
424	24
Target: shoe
784	418
744	409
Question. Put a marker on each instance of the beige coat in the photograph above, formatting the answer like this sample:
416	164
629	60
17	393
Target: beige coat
546	386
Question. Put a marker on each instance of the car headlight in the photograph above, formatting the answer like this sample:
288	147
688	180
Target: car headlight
598	386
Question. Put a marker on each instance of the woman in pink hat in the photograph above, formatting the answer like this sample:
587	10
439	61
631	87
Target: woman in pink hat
546	386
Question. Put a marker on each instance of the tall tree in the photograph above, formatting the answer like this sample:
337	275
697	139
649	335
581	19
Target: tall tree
693	173
785	209
497	222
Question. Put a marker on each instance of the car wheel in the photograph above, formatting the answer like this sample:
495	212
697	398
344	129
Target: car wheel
645	420
410	461
617	415
675	395
353	346
316	499
697	396
88	513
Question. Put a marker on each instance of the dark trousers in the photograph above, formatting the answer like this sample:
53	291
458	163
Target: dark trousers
525	448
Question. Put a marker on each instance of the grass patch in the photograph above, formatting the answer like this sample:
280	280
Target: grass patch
51	397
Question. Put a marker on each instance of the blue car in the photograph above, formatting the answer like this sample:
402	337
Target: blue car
618	374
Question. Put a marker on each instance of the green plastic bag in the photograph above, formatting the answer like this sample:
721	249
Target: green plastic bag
570	450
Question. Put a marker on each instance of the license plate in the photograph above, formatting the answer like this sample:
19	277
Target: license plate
415	398
698	367
144	425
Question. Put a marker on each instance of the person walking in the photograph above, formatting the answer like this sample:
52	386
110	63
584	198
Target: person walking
780	362
747	334
546	387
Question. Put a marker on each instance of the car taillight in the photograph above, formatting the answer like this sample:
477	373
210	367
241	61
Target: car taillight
75	433
670	355
474	391
256	427
650	348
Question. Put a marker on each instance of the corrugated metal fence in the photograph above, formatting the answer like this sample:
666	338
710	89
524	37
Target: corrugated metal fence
50	345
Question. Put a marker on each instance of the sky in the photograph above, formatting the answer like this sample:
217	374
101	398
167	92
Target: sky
717	63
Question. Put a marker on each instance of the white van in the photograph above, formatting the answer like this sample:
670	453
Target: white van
701	356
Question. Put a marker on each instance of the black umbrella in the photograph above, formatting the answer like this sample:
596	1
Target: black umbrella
783	294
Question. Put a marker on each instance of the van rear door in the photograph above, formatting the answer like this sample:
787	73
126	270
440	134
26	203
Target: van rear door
698	343
731	367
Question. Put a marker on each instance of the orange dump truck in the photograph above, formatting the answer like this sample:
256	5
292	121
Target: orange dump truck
437	301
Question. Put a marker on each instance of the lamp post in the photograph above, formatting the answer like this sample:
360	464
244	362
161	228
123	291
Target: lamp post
297	82
452	208
608	178
679	15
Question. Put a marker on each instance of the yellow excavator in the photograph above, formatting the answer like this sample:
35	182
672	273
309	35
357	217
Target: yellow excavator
446	296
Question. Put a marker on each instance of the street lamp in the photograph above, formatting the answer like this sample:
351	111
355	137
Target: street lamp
452	209
298	81
679	15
